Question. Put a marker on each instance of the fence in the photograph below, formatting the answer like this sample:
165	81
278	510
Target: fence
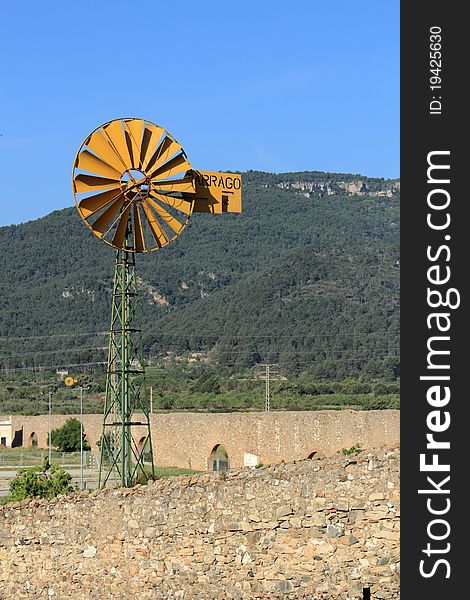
31	458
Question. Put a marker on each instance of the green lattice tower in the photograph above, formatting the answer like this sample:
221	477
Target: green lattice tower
121	456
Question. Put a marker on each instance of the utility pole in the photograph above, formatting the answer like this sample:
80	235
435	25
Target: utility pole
70	382
267	397
270	369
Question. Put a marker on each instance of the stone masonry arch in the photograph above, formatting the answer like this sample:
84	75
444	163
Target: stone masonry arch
218	459
140	443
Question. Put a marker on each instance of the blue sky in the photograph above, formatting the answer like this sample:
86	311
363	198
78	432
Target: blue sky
273	85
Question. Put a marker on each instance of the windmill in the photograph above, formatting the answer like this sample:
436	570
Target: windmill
136	190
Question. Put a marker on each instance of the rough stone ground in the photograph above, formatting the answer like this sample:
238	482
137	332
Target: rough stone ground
319	529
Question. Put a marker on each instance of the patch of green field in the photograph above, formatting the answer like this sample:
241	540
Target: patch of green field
172	471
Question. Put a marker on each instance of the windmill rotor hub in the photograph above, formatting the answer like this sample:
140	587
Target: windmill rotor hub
133	177
135	185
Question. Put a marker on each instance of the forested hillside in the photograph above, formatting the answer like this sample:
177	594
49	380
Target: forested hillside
307	279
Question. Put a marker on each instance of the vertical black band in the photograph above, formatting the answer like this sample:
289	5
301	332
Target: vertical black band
434	336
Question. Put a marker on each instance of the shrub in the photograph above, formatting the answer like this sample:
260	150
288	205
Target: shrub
382	402
44	481
206	382
381	388
145	478
353	450
357	387
67	437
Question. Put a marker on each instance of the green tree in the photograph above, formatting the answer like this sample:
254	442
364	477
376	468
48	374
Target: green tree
206	382
67	437
44	481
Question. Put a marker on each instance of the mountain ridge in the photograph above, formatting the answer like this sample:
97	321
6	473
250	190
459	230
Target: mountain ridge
58	277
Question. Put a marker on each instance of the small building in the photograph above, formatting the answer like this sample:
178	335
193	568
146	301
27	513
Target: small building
9	438
5	432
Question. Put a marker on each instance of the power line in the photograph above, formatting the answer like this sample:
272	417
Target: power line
231	351
224	364
52	367
320	357
276	335
6	356
221	336
51	335
314	352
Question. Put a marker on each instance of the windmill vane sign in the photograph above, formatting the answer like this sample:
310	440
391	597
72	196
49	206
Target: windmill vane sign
217	192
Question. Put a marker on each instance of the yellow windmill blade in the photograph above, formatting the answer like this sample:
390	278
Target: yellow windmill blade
157	231
150	142
90	183
121	228
165	150
184	205
133	132
177	165
88	206
104	220
89	162
114	131
186	185
100	145
139	244
170	220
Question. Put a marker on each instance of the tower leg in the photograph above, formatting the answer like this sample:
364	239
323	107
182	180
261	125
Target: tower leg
126	454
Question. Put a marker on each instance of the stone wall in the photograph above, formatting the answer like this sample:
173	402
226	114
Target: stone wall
187	439
317	529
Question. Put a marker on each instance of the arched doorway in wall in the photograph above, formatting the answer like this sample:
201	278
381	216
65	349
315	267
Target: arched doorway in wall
141	443
33	440
218	459
17	438
144	445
